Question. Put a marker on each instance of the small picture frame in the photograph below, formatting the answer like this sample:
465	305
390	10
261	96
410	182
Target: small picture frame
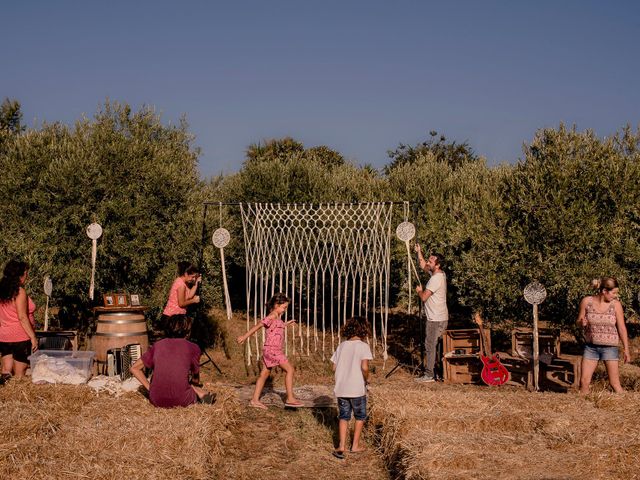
135	300
109	300
122	300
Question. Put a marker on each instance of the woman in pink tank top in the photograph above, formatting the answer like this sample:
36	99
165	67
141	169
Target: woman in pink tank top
602	318
17	334
182	293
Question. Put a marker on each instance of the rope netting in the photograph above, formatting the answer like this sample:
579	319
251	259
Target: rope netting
332	261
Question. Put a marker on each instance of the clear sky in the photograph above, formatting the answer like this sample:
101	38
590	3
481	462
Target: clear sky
358	76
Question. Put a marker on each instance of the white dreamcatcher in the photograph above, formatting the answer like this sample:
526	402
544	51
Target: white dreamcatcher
94	232
406	231
220	239
535	294
48	290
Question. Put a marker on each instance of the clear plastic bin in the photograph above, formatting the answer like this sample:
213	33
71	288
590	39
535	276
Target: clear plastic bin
61	366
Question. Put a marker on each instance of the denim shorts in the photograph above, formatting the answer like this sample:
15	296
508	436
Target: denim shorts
356	404
600	352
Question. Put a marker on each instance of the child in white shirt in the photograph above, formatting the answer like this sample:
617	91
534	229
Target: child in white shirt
351	366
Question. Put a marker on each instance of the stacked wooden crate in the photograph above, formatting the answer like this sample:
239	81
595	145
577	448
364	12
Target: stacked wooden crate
461	355
557	371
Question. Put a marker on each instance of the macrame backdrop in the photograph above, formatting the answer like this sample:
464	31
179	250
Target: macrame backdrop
332	260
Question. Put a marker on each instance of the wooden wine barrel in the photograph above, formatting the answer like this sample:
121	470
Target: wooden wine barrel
117	328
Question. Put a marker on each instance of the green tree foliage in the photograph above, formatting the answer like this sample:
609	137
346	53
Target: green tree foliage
572	214
457	214
283	171
11	117
124	170
569	212
452	153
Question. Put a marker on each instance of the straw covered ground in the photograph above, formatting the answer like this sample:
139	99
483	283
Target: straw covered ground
443	432
63	431
416	431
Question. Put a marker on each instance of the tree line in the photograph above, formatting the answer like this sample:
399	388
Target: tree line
566	212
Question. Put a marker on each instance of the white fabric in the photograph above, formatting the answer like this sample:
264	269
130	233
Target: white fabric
348	361
436	304
55	370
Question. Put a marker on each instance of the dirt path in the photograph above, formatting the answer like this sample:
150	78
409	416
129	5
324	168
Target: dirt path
278	443
292	444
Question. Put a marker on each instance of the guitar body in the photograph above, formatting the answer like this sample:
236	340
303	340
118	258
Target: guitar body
493	372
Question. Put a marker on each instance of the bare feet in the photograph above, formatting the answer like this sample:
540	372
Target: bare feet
358	449
293	402
257	404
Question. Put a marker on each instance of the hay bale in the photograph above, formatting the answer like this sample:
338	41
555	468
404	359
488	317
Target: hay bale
82	435
446	432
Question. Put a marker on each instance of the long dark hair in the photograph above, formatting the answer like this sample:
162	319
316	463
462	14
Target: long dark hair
10	281
186	267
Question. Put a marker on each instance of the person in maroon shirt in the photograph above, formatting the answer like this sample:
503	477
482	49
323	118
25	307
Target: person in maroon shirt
172	360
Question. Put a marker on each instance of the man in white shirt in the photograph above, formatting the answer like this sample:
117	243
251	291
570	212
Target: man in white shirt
434	298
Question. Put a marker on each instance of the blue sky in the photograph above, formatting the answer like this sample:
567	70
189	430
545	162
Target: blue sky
358	76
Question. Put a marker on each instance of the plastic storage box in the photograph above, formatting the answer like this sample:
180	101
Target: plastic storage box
61	366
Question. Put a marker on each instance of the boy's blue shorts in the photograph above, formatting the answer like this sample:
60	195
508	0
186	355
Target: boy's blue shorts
356	404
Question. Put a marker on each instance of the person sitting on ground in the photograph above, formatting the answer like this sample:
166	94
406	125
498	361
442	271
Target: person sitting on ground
17	334
173	359
351	366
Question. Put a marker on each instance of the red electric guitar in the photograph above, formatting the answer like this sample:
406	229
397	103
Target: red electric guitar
493	372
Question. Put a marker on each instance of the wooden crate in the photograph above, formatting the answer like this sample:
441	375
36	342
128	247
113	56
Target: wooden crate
520	371
463	342
462	369
548	343
562	373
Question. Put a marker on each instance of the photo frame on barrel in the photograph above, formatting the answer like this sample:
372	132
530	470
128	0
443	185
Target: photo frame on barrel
122	300
109	300
135	300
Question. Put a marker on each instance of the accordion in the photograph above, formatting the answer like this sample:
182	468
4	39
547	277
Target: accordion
120	360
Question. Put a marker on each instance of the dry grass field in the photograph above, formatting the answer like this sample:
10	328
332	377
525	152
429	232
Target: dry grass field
448	432
416	431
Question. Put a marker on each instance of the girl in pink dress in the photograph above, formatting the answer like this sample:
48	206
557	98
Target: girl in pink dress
272	354
17	334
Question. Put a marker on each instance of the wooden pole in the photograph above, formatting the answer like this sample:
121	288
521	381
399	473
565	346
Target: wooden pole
536	353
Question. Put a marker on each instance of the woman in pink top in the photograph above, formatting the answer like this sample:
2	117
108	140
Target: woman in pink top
602	319
17	334
182	293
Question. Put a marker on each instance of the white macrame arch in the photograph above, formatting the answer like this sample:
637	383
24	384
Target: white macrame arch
332	260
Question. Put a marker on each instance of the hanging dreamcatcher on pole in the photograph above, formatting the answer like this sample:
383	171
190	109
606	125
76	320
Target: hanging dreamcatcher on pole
220	239
94	232
535	293
48	289
406	231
